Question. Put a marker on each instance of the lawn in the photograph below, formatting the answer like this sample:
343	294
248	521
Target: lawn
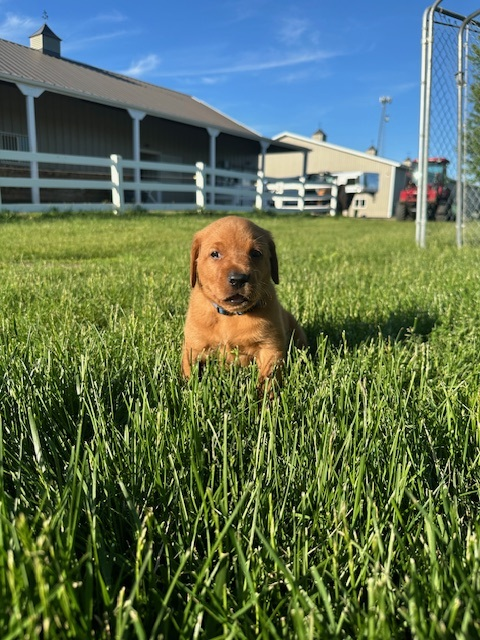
134	504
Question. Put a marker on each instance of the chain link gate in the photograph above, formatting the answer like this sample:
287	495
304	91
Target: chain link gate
445	108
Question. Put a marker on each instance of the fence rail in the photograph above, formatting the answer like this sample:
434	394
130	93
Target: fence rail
122	183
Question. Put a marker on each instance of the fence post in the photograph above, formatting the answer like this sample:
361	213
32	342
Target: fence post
259	191
200	184
461	84
301	194
117	183
333	200
424	126
462	99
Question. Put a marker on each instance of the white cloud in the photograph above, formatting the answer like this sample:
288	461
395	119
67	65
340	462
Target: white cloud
294	30
76	44
209	80
252	64
242	10
144	65
284	61
16	27
305	74
113	16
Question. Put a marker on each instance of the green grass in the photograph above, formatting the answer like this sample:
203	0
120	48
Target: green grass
136	505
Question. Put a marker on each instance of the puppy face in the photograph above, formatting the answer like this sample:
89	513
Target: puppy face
234	262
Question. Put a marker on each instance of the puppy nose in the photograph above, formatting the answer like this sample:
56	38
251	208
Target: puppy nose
238	279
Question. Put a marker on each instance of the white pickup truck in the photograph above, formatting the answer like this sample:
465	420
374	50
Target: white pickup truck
320	193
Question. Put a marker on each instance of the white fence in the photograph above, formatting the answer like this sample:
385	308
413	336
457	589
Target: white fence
151	185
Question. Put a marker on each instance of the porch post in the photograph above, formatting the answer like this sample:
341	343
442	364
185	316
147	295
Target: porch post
264	144
137	117
213	133
30	94
305	162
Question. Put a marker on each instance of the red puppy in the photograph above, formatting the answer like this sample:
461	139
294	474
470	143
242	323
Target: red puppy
234	311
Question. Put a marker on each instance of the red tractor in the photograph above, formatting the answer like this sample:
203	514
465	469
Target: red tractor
439	192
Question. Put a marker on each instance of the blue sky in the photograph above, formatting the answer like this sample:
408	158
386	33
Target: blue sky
272	65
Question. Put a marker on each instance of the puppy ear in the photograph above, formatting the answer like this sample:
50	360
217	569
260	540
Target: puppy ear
195	250
273	260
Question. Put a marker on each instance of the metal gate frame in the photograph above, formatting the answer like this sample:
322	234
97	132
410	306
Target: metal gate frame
425	110
462	88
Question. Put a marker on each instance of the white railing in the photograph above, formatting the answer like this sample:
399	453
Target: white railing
150	185
13	141
296	194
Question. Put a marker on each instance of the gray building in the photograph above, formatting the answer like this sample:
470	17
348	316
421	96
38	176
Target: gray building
51	104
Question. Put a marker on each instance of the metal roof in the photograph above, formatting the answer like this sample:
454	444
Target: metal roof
19	63
311	143
45	31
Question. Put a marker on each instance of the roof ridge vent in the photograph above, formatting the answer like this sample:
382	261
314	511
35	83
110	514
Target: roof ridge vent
46	41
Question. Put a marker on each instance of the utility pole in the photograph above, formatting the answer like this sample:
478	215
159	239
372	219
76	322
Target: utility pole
384	118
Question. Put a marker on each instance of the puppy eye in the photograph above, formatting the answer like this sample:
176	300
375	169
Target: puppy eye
255	253
215	254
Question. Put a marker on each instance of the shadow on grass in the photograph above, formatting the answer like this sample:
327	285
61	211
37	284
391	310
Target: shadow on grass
396	327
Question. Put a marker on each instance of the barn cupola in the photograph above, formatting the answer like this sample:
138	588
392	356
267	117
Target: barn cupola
46	41
320	136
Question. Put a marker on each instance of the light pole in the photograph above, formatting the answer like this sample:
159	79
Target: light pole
384	118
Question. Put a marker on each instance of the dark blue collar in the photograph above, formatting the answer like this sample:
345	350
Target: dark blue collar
224	312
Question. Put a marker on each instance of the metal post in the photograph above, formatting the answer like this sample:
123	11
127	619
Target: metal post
424	129
460	213
460	149
384	100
